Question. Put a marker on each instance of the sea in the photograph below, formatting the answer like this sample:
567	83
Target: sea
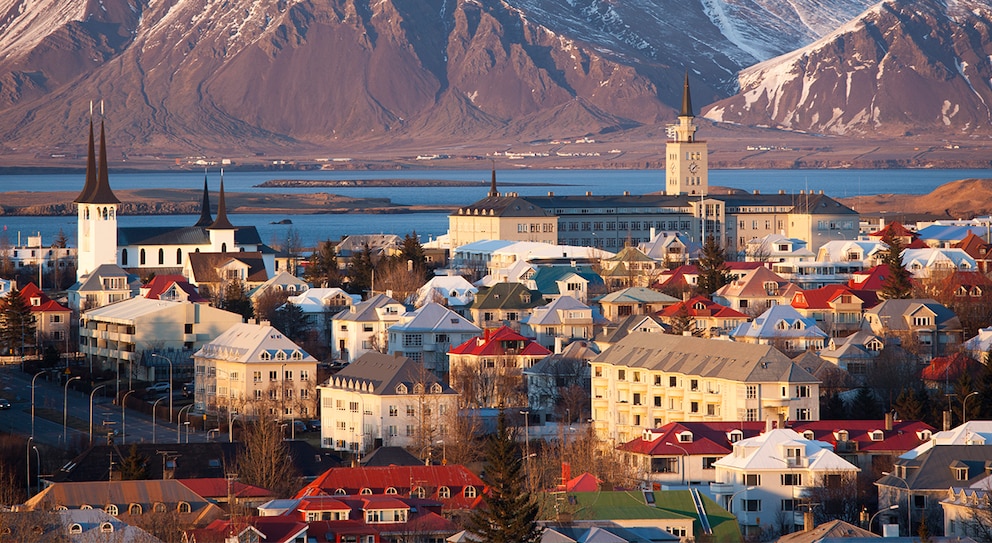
314	228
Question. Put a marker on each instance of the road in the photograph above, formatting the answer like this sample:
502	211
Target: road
136	427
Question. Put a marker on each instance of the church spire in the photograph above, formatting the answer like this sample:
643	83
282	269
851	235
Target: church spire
221	222
686	99
90	183
493	193
205	218
100	192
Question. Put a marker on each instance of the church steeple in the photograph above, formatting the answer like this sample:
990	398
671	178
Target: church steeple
96	209
97	189
205	218
90	182
686	99
493	193
221	222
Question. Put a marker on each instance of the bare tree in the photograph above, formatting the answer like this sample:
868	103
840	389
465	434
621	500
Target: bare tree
489	382
265	461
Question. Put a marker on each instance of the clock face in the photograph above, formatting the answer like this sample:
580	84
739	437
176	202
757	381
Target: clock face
693	167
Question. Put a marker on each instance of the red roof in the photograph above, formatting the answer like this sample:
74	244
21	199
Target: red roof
278	529
378	478
217	487
701	306
871	279
677	277
586	482
45	304
904	435
951	368
820	298
711	438
161	283
322	503
894	228
500	342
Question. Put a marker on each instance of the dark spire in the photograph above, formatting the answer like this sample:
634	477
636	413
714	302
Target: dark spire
90	183
686	100
101	193
221	222
493	193
205	218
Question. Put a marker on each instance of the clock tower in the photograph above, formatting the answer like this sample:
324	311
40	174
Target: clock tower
686	157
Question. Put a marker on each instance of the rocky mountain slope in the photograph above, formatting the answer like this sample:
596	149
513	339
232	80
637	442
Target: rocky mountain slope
901	67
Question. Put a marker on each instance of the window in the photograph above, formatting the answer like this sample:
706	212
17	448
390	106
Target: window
411	411
444	493
273	375
694	407
751	415
792	479
673	381
802	391
803	413
391	491
752	505
637	398
789	505
752	479
111	510
621	375
469	492
419	492
134	509
708	462
665	464
393	411
752	392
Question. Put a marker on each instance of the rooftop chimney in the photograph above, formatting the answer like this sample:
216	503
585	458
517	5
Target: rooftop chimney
888	421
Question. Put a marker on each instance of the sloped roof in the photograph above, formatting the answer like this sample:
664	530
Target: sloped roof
950	368
181	235
638	295
93	280
245	342
493	341
221	487
550	314
904	435
147	493
710	438
47	305
755	284
159	284
764	452
707	308
829	529
871	279
454	288
205	265
507	296
820	298
612	333
780	321
743	362
892	313
502	206
126	311
432	316
379	478
546	278
380	374
366	311
313	300
391	456
931	469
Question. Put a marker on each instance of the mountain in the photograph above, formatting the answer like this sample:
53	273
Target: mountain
901	67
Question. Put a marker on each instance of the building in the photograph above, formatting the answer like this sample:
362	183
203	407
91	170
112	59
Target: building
647	380
51	319
363	327
385	400
558	384
836	309
124	334
319	305
620	304
453	291
922	323
34	253
487	370
703	317
251	367
106	284
755	292
504	304
784	327
504	217
563	319
425	335
774	473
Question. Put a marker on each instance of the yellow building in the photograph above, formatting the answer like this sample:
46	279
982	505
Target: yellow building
502	216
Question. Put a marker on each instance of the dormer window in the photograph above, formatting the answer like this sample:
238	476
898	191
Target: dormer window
106	528
876	435
735	435
401	389
265	356
959	470
76	528
924	435
685	437
841	435
808	434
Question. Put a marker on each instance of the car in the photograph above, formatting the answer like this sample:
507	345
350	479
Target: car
4	403
314	425
188	390
159	387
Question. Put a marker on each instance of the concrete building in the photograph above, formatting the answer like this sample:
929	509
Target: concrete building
363	327
426	334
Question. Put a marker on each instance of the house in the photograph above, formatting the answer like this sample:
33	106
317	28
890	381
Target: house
917	322
251	367
670	248
362	327
51	319
121	334
966	508
554	282
620	304
830	531
980	345
686	277
629	268
978	249
855	354
172	287
702	317
250	528
872	445
784	327
864	253
777	248
453	291
553	383
319	305
930	262
384	399
283	284
504	304
34	253
106	284
772	473
425	335
756	291
487	370
647	380
563	319
944	372
612	333
503	217
895	229
213	272
381	245
836	309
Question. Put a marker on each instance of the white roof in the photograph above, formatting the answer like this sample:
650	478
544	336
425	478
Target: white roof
973	432
126	311
932	257
312	300
780	321
767	451
434	317
246	342
454	288
550	314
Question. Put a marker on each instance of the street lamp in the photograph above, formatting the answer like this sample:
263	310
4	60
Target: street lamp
685	457
37	467
230	425
964	407
526	414
909	502
32	400
123	417
169	360
65	410
889	508
154	406
27	469
730	502
179	417
91	410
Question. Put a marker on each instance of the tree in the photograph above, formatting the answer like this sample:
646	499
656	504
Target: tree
18	323
322	267
291	245
134	466
832	407
713	272
412	251
865	405
509	512
291	321
264	461
897	284
681	322
235	300
360	271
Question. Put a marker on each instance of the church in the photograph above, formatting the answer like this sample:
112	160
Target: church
686	206
129	254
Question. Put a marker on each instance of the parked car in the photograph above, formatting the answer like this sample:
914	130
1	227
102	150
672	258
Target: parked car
314	425
300	426
188	390
4	403
158	387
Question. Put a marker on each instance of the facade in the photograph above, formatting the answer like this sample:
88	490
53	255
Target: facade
425	335
51	319
363	327
620	304
917	322
118	336
647	380
836	309
755	292
388	400
784	327
487	370
504	304
33	253
106	284
563	319
504	217
703	316
773	474
253	367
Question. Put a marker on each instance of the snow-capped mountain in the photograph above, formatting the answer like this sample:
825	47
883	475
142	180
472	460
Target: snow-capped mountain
900	67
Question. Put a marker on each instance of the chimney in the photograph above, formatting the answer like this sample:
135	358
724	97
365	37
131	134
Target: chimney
566	473
947	420
768	424
558	344
781	420
807	520
651	235
888	421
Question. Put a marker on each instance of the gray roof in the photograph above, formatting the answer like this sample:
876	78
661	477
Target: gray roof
892	313
797	203
931	470
182	235
205	266
365	311
613	333
704	357
384	372
507	296
638	295
434	317
93	282
504	206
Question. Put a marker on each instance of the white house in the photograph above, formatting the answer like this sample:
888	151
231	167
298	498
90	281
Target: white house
784	327
362	327
565	318
426	334
453	290
319	305
767	476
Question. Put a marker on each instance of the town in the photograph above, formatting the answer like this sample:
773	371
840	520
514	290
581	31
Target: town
683	366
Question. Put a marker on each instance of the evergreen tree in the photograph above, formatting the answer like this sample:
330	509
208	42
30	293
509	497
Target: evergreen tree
681	322
713	272
908	405
897	284
509	512
984	388
17	322
290	320
134	466
865	405
322	267
236	301
832	407
412	251
360	271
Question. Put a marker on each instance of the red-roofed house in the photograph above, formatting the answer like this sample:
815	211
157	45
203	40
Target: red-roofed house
868	444
871	279
909	239
688	274
487	371
220	490
708	317
837	309
978	249
174	288
51	320
268	529
454	486
586	482
943	372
